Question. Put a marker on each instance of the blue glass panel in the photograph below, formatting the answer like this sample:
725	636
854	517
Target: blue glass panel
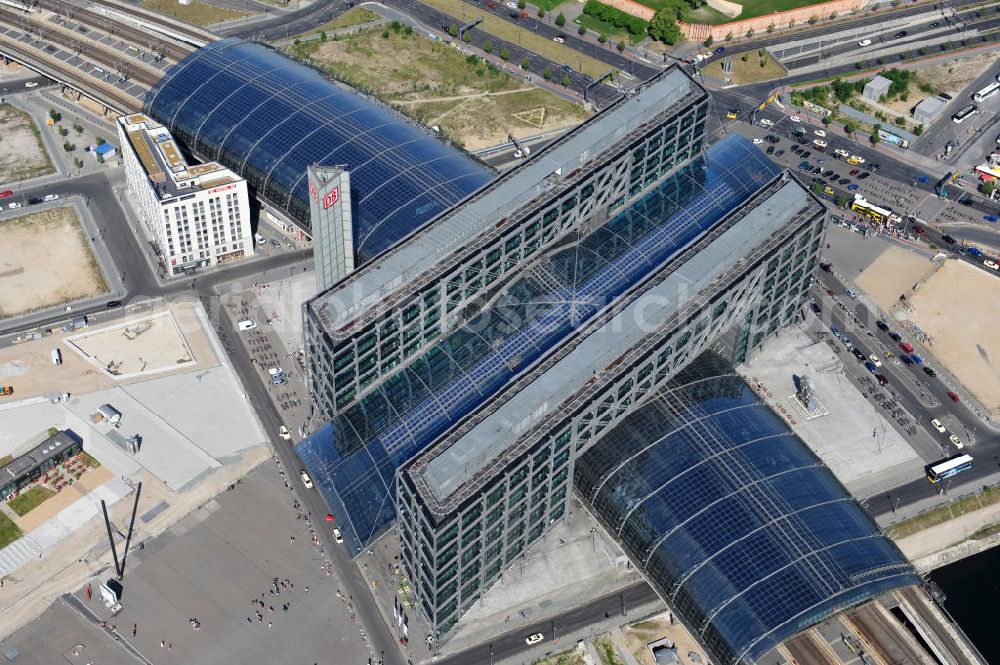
268	118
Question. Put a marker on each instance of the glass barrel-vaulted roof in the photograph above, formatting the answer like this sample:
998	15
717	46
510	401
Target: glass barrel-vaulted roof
353	459
268	117
740	528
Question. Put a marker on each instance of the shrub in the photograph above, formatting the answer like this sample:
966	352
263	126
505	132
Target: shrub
541	13
620	46
560	20
708	42
547	74
632	24
525	64
466	37
918	130
322	36
488	46
505	54
602	38
453	30
565	80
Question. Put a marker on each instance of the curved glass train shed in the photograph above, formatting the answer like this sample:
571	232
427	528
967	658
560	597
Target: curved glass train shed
741	529
268	117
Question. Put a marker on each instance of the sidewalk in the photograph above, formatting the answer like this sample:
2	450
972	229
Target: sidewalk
948	542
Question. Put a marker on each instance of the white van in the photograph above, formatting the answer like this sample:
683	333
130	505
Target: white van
246	325
259	238
56	357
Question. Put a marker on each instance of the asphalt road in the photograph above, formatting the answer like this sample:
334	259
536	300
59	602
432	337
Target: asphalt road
890	167
826	29
987	441
512	644
287	24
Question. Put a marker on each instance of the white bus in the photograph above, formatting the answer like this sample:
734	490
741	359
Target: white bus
964	113
949	467
986	93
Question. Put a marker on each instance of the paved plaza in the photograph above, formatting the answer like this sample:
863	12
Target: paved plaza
210	567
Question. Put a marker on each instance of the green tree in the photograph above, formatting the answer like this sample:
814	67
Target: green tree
900	121
547	74
541	12
988	188
565	80
385	34
750	32
560	20
69	147
875	138
708	42
826	120
850	127
453	30
488	46
466	37
55	115
63	131
842	201
770	28
99	140
505	54
664	27
582	30
525	64
620	46
322	36
602	38
918	130
816	188
521	4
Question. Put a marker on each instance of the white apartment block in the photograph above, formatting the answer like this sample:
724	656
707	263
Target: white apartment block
196	215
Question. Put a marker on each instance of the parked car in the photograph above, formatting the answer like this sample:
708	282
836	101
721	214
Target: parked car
5	193
560	39
863	176
51	197
306	480
882	380
955	441
881	325
929	371
870	366
936	424
534	638
948	239
336	535
907	360
284	433
901	34
865	42
954	397
875	360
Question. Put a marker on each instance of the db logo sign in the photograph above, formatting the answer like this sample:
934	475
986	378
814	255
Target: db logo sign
312	191
331	198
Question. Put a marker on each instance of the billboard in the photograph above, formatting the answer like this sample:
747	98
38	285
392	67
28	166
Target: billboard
330	219
893	139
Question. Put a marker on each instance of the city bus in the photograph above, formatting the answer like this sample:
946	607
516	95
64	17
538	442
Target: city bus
947	468
872	212
986	93
964	113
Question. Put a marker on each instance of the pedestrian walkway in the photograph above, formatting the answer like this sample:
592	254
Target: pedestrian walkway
18	553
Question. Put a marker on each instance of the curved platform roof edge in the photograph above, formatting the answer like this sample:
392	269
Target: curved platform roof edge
268	118
740	528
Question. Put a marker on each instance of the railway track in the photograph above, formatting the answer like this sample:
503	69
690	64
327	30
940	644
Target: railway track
84	49
59	70
118	29
196	35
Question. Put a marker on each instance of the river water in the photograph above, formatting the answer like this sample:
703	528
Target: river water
973	587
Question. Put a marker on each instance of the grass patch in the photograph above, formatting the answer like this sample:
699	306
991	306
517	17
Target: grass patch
606	653
9	532
942	514
89	461
985	532
6	459
199	13
525	37
547	5
473	103
749	71
613	34
757	8
29	500
22	153
353	16
571	657
707	15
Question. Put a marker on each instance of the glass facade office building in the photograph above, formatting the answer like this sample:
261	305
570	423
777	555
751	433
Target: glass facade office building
268	118
479	496
390	389
737	524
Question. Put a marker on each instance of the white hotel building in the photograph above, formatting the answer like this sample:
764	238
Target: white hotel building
196	215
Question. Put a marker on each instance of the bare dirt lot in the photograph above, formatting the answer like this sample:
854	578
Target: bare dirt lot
954	75
959	307
45	261
892	274
473	103
144	346
22	155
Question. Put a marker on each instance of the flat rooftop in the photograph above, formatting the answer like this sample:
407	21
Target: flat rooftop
170	174
469	458
554	168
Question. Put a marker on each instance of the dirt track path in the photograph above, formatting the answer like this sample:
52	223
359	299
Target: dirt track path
455	98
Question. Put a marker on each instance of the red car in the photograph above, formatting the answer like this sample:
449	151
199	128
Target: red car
854	172
954	397
919	230
5	193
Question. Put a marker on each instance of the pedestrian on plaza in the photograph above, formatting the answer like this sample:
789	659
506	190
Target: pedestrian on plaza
135	628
